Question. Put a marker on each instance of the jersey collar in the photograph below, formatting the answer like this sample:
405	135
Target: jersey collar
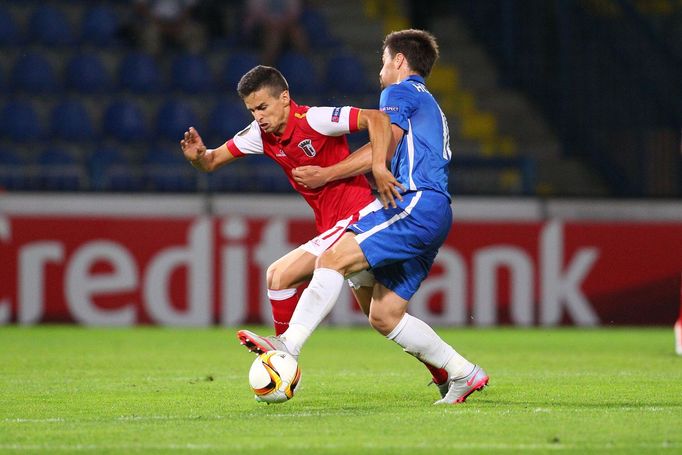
416	77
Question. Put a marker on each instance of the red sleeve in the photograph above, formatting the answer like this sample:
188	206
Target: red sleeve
353	119
234	150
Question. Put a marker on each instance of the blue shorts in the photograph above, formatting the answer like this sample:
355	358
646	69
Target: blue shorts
400	244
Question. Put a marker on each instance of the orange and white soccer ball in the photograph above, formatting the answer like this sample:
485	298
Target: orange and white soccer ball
274	376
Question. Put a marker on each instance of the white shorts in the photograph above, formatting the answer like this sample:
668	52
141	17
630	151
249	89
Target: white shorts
324	241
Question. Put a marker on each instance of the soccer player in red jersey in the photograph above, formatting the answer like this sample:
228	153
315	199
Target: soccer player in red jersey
294	136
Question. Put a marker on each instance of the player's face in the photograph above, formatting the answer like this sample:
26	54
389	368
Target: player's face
270	111
388	74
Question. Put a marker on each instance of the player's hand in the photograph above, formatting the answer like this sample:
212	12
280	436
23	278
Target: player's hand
387	186
192	145
310	176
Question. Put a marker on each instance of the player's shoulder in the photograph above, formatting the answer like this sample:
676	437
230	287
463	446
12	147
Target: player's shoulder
401	90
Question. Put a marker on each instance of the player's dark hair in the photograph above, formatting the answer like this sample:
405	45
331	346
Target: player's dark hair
262	76
419	48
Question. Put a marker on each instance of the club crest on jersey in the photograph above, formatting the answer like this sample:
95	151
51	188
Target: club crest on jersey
307	146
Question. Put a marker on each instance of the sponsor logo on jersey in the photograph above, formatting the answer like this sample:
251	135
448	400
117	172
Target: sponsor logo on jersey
298	115
390	109
307	146
336	113
280	152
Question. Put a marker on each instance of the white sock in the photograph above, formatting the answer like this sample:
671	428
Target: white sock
315	303
418	339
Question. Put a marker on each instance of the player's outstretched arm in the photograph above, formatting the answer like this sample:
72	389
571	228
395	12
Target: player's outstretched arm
199	156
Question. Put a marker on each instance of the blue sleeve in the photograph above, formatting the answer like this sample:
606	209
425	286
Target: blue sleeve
398	102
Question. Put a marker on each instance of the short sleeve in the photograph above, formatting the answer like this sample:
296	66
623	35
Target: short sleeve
246	142
398	101
333	121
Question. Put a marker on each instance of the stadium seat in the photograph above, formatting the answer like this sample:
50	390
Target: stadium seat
13	173
299	72
233	177
20	122
100	26
71	121
191	73
33	73
346	75
226	119
124	120
109	170
174	118
267	176
139	73
316	29
59	171
49	26
236	65
167	170
87	74
9	30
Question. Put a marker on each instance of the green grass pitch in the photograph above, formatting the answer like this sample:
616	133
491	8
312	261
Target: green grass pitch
153	390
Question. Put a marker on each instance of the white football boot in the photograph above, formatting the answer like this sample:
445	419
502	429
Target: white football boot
259	344
460	388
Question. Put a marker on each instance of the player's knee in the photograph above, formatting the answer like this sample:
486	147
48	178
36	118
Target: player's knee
380	321
330	259
275	278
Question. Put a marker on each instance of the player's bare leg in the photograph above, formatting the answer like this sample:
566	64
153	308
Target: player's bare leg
283	276
343	259
389	317
439	376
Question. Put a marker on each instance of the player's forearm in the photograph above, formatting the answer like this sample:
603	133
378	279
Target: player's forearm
205	162
212	159
358	162
380	137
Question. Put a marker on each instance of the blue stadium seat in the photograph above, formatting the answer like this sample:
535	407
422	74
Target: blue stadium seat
226	119
317	30
109	170
191	73
32	72
59	171
174	118
100	26
346	75
49	26
299	72
234	177
9	30
267	176
166	170
13	174
236	65
124	120
20	122
86	73
71	121
139	73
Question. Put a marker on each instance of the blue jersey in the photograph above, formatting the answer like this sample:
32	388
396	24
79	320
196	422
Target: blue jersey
421	159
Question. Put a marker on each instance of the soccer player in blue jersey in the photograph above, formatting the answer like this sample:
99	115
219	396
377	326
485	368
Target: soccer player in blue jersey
399	243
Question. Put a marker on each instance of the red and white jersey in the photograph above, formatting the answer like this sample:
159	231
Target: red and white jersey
313	136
